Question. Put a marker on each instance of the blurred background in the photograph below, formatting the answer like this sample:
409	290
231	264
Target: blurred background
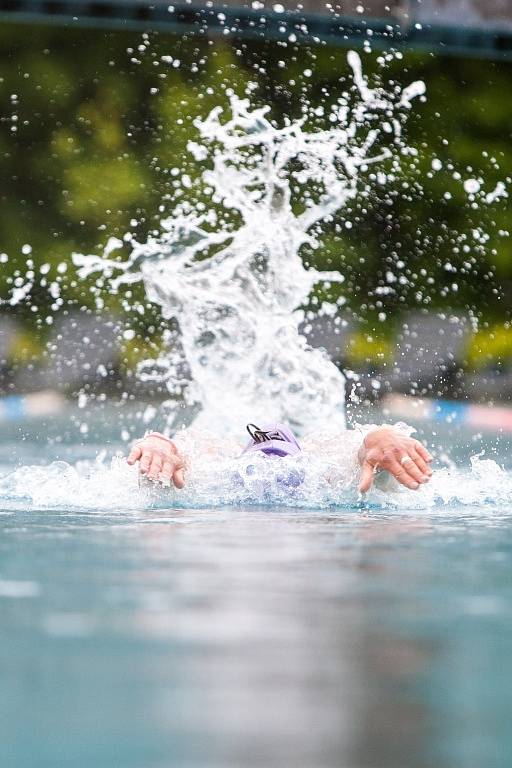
95	113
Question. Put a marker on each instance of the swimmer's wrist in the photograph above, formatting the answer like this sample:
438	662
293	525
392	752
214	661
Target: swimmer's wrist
158	435
366	430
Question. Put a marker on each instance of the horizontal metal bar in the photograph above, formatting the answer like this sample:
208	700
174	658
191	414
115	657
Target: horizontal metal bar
248	23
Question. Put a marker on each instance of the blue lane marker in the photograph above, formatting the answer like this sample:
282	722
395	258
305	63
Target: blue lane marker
13	407
450	412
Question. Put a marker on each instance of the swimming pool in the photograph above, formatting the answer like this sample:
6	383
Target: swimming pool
251	636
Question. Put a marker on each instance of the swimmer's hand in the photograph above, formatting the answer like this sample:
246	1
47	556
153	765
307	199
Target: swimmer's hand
403	457
159	459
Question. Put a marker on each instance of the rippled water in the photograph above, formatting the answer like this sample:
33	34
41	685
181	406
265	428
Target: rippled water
254	636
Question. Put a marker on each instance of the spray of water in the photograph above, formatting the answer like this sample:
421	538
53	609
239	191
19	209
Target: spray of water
229	269
113	486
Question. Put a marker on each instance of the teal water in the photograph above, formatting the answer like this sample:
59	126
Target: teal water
350	638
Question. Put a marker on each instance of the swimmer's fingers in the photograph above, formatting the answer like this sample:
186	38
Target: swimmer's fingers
167	474
159	461
172	470
367	475
408	463
155	467
134	455
403	457
405	474
145	461
425	455
420	462
178	477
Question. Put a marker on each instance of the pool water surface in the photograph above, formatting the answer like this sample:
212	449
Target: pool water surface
251	636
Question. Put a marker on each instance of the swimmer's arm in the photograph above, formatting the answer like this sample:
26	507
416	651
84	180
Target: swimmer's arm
405	458
159	459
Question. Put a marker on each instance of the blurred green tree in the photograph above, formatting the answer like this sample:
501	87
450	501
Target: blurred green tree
92	124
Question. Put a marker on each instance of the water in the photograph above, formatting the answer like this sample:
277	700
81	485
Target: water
249	635
227	263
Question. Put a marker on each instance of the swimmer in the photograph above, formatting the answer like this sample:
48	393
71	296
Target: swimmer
368	451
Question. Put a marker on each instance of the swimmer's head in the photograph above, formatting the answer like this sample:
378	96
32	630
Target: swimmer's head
272	440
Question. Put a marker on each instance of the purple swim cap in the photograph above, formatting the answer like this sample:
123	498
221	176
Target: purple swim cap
272	440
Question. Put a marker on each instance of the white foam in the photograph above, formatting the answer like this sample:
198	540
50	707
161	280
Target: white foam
85	485
246	481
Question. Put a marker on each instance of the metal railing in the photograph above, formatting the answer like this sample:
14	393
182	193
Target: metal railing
397	27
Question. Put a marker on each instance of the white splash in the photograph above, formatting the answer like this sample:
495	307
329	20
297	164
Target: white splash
19	292
498	192
98	486
85	485
229	268
471	186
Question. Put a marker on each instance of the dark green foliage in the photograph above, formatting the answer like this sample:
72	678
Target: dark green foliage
87	148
